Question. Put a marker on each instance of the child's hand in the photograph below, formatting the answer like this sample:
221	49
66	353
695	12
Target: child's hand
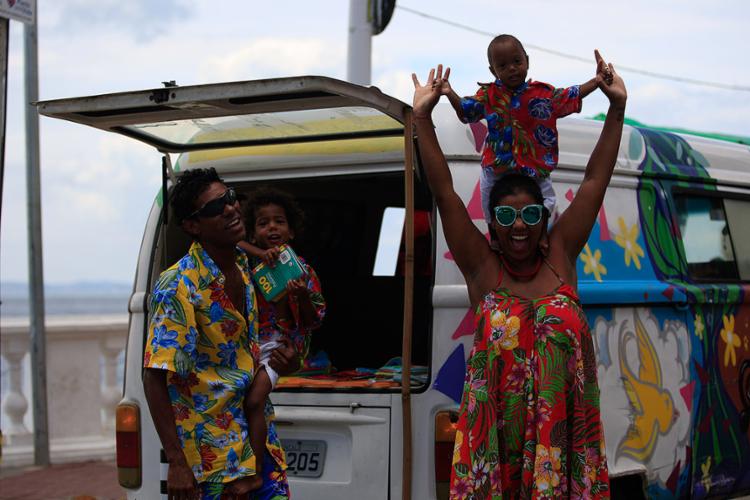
297	289
610	82
270	256
444	85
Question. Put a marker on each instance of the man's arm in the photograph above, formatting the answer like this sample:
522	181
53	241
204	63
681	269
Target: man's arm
181	483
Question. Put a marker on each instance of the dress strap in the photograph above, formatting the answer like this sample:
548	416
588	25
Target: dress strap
562	282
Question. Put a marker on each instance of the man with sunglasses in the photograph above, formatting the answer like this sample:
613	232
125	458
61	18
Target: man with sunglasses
200	352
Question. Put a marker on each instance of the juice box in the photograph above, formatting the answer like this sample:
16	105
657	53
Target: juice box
272	281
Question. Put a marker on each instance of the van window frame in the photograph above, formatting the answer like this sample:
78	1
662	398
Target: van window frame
677	191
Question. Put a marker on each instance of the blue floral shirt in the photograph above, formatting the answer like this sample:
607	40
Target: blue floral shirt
209	349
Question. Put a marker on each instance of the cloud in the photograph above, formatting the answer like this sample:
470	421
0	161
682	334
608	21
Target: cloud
141	20
277	57
396	83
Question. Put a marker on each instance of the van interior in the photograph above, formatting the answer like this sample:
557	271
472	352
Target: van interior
341	239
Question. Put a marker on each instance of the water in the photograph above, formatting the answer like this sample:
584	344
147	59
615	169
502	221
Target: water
67	305
84	299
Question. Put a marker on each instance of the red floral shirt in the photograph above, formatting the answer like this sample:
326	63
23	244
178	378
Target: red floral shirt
521	124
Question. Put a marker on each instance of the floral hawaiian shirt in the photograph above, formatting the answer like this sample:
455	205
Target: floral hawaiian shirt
521	124
209	348
271	328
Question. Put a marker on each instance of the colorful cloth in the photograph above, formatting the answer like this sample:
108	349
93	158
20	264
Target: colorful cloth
521	124
529	424
272	328
208	347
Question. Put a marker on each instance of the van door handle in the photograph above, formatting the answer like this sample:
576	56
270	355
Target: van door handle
681	306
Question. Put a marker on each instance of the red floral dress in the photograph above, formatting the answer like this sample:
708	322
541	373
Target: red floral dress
529	424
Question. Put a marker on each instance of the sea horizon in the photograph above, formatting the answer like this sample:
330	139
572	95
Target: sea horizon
84	298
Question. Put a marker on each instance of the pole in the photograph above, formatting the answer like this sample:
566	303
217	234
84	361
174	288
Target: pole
4	35
360	38
406	467
36	274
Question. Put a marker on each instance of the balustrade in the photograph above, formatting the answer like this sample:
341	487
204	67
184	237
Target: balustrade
83	369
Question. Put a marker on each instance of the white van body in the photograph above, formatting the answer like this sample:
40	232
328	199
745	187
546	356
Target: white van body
663	278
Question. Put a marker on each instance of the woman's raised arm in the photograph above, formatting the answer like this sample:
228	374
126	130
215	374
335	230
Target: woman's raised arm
465	241
575	224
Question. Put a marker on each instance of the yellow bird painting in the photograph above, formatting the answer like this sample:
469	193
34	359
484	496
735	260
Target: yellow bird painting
653	407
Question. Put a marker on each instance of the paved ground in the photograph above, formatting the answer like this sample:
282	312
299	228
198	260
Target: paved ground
79	481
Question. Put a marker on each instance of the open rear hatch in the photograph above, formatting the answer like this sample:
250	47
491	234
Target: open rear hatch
254	113
329	445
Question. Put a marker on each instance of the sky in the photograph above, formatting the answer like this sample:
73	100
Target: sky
98	187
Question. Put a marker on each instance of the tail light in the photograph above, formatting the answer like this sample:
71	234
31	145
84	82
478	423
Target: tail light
445	436
128	432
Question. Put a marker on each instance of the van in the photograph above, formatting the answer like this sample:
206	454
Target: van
664	279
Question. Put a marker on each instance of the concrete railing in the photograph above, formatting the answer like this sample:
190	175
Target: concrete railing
84	385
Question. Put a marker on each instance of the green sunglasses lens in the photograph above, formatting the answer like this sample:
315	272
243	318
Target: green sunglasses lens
505	215
531	214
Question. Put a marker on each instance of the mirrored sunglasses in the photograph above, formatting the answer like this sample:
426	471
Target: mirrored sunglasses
216	206
531	215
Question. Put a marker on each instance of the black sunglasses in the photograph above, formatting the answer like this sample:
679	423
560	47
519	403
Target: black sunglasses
216	206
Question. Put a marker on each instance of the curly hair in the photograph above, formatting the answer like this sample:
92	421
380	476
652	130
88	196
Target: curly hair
500	39
190	185
265	196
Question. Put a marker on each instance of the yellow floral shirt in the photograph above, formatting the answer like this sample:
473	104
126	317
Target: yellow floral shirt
209	348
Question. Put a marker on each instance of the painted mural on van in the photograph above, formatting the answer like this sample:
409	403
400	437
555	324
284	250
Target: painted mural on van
673	352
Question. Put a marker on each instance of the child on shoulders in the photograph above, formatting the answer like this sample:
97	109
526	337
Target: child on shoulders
521	119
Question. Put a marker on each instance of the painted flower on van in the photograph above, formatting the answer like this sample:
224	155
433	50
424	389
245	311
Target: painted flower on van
698	323
627	239
592	263
731	339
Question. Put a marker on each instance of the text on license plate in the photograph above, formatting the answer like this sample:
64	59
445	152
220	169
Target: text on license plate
304	457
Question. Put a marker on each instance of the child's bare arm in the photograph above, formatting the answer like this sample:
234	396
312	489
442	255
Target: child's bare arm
587	88
453	98
269	256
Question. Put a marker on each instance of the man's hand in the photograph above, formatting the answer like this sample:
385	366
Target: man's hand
181	483
285	360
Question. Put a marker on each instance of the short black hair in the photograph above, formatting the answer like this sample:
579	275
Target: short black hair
513	184
500	39
264	196
190	185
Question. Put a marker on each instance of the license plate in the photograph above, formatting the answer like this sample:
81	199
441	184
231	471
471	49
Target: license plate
304	457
